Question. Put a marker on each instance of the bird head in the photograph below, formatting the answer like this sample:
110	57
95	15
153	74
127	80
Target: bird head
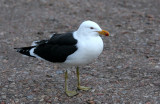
89	28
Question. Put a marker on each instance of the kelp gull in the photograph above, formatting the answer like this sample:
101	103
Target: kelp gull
76	48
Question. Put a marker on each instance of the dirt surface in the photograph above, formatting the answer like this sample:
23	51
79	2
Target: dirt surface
127	72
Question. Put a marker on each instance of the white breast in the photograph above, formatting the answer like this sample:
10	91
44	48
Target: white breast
89	48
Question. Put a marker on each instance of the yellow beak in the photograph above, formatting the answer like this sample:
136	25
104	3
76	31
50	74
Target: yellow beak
103	32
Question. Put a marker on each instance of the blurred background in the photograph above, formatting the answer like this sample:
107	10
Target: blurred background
127	72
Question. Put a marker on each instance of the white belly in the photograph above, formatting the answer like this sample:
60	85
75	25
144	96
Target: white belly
88	50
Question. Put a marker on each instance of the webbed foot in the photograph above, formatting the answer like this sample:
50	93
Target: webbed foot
71	93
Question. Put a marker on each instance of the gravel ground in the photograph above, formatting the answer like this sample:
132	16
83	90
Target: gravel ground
127	72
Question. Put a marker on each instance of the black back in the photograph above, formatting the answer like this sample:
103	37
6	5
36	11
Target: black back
58	48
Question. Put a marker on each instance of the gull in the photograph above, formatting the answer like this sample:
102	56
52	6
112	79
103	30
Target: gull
77	48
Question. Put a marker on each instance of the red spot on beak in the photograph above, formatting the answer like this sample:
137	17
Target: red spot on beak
107	34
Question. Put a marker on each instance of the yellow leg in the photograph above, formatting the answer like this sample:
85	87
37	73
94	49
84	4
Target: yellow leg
69	93
78	84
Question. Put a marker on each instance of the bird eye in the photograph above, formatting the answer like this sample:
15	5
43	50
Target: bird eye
91	28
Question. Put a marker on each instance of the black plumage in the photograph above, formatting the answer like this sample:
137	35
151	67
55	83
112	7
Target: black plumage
56	49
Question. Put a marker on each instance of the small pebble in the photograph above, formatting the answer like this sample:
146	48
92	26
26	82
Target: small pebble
3	97
16	101
10	79
30	97
59	72
118	67
93	90
91	102
157	67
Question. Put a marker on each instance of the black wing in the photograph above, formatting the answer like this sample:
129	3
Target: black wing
58	48
63	39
